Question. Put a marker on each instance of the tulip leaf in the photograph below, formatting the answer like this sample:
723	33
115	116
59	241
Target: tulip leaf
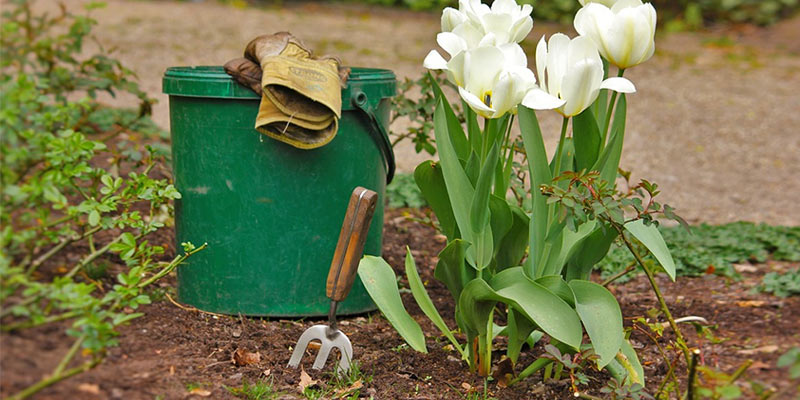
601	316
429	179
593	249
651	238
557	285
586	139
510	249
381	284
519	330
631	363
452	269
479	210
544	308
424	301
459	188
565	245
473	129
459	140
540	175
473	167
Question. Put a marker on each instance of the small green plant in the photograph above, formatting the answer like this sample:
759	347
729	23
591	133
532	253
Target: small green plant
781	285
403	192
347	386
73	203
260	390
416	102
791	361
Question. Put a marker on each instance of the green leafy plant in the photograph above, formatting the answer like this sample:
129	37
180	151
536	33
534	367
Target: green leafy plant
260	390
716	248
781	285
67	190
416	102
403	192
791	361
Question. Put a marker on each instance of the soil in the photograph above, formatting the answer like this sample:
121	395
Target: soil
172	350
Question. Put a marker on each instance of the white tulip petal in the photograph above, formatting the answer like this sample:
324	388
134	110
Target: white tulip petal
503	95
434	60
621	4
482	69
557	62
514	55
451	43
581	86
521	29
475	103
541	62
618	84
456	67
538	99
451	18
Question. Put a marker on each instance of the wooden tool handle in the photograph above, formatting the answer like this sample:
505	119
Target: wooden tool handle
351	243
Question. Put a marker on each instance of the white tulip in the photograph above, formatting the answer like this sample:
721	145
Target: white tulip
572	71
505	20
492	80
607	3
624	33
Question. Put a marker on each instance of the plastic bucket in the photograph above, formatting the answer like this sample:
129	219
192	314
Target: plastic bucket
270	213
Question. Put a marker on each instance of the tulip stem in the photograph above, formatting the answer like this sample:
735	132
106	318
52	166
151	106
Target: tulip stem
562	138
610	110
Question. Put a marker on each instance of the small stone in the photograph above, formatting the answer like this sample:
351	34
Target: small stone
236	333
235	377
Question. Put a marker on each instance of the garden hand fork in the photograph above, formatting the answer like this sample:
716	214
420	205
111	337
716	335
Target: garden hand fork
340	279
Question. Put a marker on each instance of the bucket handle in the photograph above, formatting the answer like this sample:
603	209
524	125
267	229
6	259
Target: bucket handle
360	101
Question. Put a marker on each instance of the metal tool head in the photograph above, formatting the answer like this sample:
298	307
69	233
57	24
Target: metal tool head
329	339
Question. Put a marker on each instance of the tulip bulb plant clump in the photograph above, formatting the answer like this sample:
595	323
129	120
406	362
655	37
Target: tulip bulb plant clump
525	272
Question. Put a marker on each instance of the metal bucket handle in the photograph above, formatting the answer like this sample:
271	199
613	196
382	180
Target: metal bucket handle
360	101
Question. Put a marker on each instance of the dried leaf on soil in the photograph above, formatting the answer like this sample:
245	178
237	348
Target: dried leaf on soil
344	391
305	381
242	357
89	388
200	392
763	349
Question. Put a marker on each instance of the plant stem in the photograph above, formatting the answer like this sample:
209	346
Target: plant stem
91	257
611	104
171	266
31	324
538	364
620	274
740	371
69	356
692	374
64	242
657	291
33	389
560	150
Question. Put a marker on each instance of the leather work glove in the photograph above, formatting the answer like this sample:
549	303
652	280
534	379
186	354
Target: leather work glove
300	94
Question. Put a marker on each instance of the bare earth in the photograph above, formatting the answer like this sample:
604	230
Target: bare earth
715	122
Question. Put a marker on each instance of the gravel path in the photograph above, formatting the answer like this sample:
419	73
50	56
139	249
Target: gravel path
716	124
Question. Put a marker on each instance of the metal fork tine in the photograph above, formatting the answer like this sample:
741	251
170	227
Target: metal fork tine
322	356
315	332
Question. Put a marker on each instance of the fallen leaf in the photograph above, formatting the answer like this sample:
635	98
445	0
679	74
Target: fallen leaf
751	303
745	268
503	372
266	372
200	392
89	388
305	381
763	349
466	386
171	370
243	357
760	365
345	391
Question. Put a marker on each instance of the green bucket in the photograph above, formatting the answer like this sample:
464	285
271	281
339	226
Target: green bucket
270	213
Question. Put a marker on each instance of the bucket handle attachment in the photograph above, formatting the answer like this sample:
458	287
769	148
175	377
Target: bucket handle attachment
360	101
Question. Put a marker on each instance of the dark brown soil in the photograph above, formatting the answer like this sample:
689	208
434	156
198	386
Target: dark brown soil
171	350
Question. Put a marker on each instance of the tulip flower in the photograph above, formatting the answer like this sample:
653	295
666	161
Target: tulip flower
570	70
505	20
607	3
492	80
624	33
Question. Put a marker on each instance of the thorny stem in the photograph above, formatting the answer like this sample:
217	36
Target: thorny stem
69	356
53	379
628	269
172	265
671	371
692	374
64	242
657	291
31	324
